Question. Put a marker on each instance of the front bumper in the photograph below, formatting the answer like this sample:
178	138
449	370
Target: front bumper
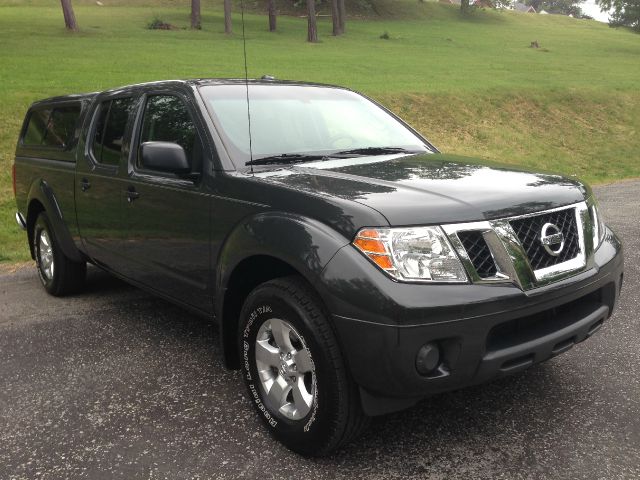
483	331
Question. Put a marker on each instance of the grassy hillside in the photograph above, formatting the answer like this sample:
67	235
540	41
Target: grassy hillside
473	86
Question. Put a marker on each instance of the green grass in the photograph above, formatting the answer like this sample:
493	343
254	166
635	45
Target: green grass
471	85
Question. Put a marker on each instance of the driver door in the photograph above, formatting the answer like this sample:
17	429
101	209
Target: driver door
167	215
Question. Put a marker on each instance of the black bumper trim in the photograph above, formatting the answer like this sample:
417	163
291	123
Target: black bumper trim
519	357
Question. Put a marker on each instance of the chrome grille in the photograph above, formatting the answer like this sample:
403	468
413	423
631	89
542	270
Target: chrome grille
510	250
479	254
528	230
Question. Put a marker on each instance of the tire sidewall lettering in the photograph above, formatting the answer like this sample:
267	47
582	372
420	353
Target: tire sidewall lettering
247	367
256	398
247	339
314	412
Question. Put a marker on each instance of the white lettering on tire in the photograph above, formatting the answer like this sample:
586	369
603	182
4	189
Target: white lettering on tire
245	354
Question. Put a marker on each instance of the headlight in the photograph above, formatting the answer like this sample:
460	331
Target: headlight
599	228
412	254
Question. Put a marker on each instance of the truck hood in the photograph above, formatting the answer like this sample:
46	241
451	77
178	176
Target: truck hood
433	188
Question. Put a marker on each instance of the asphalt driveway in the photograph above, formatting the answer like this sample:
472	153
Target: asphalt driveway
115	383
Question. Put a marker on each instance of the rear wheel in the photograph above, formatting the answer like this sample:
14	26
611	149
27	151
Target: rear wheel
294	370
58	274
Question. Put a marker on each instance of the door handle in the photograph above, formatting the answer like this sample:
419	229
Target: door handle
132	194
85	185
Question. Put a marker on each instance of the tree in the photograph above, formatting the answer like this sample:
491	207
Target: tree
271	8
335	17
464	6
626	13
563	7
195	14
342	16
69	16
312	24
227	17
502	4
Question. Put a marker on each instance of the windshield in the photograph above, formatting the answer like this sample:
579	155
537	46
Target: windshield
302	120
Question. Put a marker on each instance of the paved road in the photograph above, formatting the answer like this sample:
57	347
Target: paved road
117	384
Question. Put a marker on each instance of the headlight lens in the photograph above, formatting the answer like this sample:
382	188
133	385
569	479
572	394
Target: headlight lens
599	228
412	254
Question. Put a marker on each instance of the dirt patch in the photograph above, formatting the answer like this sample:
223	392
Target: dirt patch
7	268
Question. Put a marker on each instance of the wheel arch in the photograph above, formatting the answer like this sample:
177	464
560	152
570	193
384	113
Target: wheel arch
33	210
262	248
247	275
42	199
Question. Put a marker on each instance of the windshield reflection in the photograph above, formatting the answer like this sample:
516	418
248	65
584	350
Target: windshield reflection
296	119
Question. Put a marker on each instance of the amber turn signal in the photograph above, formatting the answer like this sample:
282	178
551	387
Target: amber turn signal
383	261
370	246
369	242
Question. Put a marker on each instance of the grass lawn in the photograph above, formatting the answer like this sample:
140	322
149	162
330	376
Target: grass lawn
473	86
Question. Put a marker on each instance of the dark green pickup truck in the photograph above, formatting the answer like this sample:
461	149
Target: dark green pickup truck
351	267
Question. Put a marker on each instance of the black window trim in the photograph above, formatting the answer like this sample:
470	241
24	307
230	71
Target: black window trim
52	106
154	176
97	109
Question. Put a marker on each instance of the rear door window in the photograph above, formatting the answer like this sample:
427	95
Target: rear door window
52	127
109	132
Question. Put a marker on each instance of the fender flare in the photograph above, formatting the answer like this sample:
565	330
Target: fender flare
304	244
41	191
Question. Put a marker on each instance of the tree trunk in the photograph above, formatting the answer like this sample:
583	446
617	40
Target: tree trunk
335	17
272	15
342	17
464	6
69	16
195	14
312	25
227	17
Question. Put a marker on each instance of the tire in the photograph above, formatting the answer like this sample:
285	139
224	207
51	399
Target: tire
307	399
58	274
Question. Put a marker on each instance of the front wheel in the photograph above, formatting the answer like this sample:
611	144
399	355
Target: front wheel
294	371
58	274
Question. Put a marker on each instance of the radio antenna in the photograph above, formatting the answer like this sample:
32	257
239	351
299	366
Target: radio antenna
246	84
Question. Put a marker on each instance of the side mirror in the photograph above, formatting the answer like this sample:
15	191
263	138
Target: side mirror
164	157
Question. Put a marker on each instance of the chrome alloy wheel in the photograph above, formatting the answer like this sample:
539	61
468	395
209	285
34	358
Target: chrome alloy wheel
45	254
285	369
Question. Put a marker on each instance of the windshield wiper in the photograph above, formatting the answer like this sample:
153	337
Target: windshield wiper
374	151
286	158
